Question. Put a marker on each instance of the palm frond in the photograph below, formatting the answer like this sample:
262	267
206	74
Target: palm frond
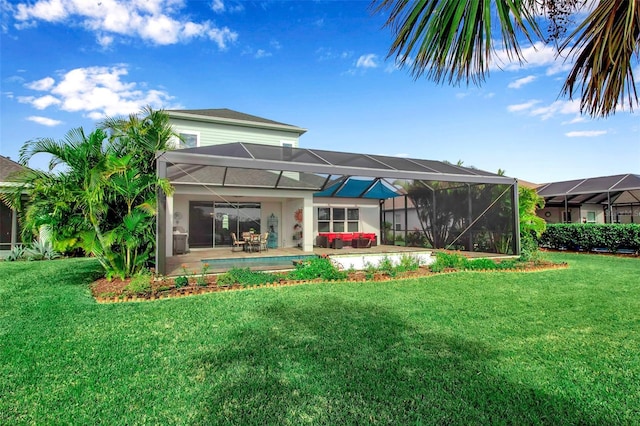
605	45
454	40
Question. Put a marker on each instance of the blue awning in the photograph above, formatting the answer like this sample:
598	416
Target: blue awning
359	188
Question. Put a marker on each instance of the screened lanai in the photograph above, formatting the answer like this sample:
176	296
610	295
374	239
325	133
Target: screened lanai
459	207
616	199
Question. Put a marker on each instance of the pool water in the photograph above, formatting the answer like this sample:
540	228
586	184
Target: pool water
272	262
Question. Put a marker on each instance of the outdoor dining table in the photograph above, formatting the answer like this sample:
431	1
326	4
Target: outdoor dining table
252	241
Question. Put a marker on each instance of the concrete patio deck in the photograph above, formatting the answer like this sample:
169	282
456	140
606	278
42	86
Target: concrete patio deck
192	261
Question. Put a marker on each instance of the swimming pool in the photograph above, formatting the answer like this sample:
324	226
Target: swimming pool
271	262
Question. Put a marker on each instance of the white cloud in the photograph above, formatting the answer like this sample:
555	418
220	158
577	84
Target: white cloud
521	82
585	133
367	61
44	102
156	21
50	122
275	44
49	10
97	92
262	54
537	55
217	6
42	85
557	107
522	107
576	119
325	54
545	112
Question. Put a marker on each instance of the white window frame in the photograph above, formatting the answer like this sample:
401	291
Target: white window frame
180	144
344	222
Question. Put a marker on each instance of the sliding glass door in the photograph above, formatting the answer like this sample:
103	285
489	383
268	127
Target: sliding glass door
235	217
211	224
200	224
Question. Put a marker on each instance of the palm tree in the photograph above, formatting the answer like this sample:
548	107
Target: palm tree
104	198
454	40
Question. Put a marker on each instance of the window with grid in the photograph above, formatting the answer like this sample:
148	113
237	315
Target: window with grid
338	219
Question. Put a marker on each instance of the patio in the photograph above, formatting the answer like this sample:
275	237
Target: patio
193	261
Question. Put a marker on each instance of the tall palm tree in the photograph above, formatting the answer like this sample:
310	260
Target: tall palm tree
454	40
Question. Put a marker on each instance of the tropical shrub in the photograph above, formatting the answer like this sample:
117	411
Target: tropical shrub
531	225
37	250
40	250
16	253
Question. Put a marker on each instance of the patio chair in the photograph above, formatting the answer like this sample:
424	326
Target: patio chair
237	242
253	242
263	241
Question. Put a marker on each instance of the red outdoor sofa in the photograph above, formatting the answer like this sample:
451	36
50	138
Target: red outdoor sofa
353	239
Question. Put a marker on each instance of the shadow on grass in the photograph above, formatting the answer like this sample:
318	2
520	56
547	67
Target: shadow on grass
347	363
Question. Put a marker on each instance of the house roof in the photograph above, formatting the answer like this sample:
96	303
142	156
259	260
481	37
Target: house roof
594	190
8	167
236	164
228	116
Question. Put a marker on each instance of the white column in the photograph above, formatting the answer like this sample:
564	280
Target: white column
14	228
169	226
307	220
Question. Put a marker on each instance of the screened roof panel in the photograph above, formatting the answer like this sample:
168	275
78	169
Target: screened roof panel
225	150
186	173
400	163
251	178
629	197
323	163
276	153
350	159
591	185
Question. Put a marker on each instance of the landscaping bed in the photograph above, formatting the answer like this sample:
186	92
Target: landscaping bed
191	283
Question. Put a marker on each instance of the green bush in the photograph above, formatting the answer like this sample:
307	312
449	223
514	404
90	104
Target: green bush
245	277
181	281
16	253
481	264
408	263
139	285
37	250
448	261
317	267
590	236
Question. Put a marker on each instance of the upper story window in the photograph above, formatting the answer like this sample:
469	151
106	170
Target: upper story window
188	139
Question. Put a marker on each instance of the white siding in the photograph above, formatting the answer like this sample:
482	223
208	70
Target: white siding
216	133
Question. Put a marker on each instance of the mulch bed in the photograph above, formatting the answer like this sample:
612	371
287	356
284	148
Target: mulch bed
115	291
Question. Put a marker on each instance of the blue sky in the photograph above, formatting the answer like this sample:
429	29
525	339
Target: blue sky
320	65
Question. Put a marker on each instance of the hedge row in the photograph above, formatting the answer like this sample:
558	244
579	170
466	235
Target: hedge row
592	236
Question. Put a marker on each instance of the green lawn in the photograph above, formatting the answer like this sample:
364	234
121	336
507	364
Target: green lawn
554	347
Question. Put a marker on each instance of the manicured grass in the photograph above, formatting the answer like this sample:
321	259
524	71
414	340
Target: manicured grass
554	347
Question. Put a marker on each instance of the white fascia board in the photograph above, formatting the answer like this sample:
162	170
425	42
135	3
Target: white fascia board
219	120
